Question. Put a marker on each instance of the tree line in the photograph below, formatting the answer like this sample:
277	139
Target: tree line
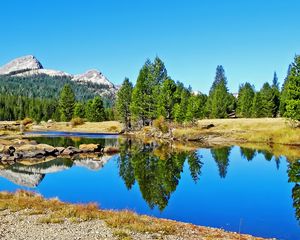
63	108
156	94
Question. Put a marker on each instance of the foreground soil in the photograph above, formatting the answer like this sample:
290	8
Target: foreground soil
25	215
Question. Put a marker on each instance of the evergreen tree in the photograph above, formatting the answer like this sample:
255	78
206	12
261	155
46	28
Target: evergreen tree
180	109
141	95
276	95
98	110
159	71
283	95
267	101
219	100
292	100
245	100
79	110
123	102
67	103
196	107
257	106
166	99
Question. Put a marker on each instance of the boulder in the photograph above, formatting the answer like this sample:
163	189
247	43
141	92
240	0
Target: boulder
60	149
47	149
9	150
111	150
71	151
90	148
208	126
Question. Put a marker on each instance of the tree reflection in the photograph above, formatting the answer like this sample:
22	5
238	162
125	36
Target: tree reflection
157	169
248	153
294	176
268	155
221	156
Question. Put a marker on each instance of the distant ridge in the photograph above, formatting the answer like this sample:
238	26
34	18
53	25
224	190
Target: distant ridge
30	65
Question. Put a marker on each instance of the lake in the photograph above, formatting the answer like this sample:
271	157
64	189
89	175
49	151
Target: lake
237	189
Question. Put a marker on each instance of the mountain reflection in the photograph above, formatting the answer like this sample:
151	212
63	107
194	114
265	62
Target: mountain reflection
32	175
156	168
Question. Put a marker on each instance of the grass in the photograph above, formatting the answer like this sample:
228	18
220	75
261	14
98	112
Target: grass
258	130
89	127
57	211
123	223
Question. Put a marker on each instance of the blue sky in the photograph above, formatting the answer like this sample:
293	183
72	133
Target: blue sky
251	39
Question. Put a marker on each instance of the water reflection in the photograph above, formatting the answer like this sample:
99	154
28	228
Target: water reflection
156	169
31	175
221	156
294	177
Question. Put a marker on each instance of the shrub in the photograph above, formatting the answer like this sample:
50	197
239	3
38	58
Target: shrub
27	121
161	124
77	121
113	129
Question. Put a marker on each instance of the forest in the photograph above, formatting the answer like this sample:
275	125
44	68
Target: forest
155	95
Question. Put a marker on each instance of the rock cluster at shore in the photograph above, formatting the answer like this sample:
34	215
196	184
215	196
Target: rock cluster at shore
14	150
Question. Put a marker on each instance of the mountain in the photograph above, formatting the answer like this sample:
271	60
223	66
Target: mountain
21	64
29	68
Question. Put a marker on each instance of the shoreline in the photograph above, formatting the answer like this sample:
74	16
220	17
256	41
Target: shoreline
34	212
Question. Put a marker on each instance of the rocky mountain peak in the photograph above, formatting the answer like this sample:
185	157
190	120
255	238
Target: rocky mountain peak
93	76
21	64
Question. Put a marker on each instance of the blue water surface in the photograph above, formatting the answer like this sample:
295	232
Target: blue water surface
250	196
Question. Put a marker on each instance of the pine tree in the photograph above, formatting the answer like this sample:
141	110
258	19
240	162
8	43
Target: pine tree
166	99
141	95
219	100
67	103
196	107
180	109
245	100
123	102
283	95
292	100
79	110
276	95
98	109
159	71
267	101
257	106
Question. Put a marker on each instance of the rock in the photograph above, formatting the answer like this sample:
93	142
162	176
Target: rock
39	147
7	158
208	126
71	151
90	148
60	149
111	150
9	150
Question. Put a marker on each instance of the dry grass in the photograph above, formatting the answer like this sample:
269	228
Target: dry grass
123	223
259	130
57	211
88	127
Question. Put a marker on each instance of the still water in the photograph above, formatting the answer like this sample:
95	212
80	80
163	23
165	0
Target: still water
234	188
